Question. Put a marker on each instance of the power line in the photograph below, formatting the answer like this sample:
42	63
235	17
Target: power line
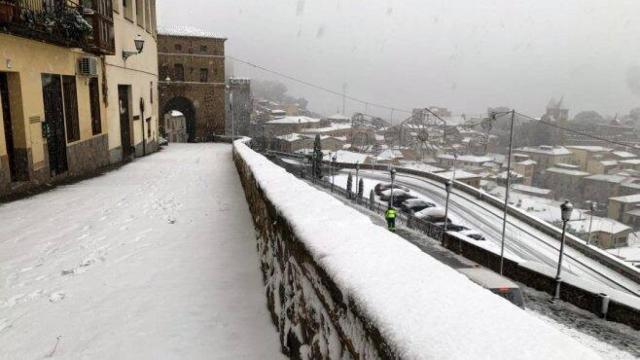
319	87
394	109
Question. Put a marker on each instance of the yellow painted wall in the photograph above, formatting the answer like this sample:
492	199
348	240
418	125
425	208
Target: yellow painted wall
140	72
28	60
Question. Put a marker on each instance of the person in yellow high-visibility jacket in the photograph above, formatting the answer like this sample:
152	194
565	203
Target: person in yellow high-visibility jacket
391	215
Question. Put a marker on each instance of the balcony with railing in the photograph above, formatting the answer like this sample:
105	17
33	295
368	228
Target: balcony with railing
87	24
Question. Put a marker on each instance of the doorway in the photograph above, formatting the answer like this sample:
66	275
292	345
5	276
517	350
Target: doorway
55	126
8	127
124	92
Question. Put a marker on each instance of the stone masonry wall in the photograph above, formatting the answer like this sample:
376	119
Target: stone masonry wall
314	318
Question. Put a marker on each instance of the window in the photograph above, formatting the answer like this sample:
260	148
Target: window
140	13
70	95
127	9
203	48
178	70
151	92
116	6
204	75
178	47
94	99
147	16
164	72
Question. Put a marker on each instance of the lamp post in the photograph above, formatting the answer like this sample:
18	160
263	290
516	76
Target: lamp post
334	158
565	209
357	179
393	179
448	185
594	206
508	186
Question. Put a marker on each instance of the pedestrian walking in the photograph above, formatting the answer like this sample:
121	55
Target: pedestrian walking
391	215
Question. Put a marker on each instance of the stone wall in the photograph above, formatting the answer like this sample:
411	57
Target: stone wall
312	315
88	155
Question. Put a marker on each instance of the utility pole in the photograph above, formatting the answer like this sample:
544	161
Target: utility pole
344	99
231	109
506	197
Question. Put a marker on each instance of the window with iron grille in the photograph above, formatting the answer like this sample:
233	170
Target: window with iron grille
178	70
204	75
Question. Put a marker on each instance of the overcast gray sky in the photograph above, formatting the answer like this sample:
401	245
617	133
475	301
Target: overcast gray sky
466	55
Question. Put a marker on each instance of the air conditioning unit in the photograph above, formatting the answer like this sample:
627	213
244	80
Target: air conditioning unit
88	66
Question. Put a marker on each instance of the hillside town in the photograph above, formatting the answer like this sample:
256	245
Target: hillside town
170	190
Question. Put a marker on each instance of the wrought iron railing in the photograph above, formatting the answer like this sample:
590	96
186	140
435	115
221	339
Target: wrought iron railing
87	25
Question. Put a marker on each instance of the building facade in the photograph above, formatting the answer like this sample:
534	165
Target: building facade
192	78
59	89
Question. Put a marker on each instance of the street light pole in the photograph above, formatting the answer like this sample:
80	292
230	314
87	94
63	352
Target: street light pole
333	171
448	186
393	178
565	210
594	206
506	196
357	179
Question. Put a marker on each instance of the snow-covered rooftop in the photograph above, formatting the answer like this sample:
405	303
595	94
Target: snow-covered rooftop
528	162
624	155
614	179
389	155
547	150
609	162
567	171
420	166
629	199
467	158
460	175
441	316
339	117
294	120
531	189
331	128
599	224
186	30
590	148
630	162
350	157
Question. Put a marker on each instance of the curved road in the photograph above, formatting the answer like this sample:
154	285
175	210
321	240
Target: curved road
521	239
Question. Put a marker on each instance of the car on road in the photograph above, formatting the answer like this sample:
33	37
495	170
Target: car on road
432	215
495	283
452	227
382	187
473	235
411	206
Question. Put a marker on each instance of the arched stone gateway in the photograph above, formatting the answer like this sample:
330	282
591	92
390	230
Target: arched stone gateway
192	81
187	108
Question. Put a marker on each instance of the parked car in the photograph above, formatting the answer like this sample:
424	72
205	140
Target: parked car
397	194
452	227
473	235
415	205
381	187
433	215
495	283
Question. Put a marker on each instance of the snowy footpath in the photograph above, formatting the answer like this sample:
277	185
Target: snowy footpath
156	260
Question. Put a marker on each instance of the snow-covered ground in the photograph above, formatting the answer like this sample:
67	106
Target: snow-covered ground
155	260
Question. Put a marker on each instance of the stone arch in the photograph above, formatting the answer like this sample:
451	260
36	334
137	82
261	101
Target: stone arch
187	108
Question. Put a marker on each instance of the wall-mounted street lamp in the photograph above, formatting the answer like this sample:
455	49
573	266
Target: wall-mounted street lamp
139	43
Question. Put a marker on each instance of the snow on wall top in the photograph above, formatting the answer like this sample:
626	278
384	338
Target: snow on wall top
425	309
187	31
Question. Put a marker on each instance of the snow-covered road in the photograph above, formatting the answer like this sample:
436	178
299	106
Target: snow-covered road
155	260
